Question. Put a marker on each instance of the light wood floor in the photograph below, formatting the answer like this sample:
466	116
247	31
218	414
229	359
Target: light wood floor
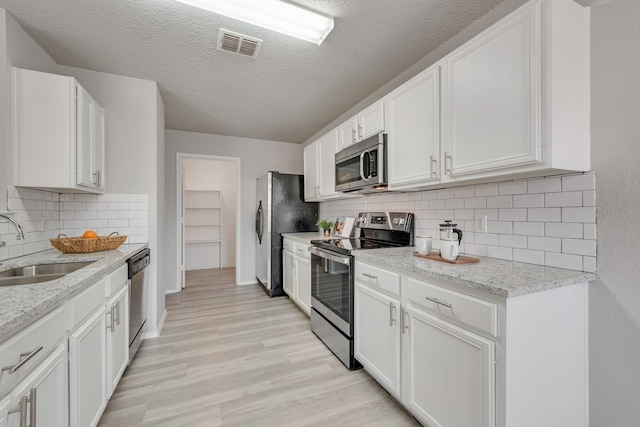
231	356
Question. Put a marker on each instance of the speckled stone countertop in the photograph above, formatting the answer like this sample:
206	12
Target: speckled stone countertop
23	304
503	278
309	236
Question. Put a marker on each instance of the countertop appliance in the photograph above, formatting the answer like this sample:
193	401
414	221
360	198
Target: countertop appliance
332	276
280	209
362	167
138	291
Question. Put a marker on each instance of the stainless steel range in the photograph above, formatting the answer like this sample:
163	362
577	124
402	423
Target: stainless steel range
332	281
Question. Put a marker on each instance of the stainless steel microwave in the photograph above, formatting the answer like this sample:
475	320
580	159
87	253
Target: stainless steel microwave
362	166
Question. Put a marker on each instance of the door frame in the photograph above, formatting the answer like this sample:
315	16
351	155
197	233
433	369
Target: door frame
180	211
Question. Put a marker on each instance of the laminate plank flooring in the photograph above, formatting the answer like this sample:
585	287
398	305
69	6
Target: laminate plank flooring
231	356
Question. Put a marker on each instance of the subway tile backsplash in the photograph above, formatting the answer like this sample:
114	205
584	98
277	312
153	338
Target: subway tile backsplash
44	215
545	221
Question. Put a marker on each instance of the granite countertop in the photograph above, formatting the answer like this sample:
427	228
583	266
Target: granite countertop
307	237
23	304
499	277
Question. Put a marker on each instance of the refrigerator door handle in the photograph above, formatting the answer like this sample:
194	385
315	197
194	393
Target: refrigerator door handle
259	224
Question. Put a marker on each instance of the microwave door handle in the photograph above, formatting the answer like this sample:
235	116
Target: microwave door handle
364	178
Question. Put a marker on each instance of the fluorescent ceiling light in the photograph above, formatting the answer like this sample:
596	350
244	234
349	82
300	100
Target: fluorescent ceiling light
275	15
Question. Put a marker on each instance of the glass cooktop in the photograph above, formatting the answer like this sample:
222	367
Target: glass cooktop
347	245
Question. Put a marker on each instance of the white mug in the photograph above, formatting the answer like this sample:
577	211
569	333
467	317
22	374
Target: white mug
423	245
449	249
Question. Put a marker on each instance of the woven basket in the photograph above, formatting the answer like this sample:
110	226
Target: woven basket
80	245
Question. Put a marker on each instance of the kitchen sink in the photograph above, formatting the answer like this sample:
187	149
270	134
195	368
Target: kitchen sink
28	280
38	273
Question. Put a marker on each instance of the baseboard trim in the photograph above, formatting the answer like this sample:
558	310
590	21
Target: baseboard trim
158	331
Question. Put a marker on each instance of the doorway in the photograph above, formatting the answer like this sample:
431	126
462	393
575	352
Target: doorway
208	208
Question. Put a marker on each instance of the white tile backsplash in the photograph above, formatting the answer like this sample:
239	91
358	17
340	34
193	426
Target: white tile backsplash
545	221
71	214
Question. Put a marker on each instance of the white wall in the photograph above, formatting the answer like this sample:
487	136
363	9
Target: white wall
257	157
134	123
615	299
217	175
19	50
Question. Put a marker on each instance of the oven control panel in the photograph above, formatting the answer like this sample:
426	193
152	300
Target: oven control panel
401	221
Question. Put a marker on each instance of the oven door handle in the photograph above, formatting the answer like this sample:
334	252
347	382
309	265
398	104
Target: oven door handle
322	253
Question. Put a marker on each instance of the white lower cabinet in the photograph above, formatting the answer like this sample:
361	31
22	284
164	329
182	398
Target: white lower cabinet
117	317
289	273
303	281
41	399
296	273
117	338
87	371
457	356
377	336
448	372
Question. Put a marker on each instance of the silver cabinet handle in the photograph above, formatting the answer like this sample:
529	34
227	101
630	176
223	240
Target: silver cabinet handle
437	301
404	323
370	276
353	135
111	314
26	356
32	408
359	131
22	410
434	164
392	309
448	165
118	313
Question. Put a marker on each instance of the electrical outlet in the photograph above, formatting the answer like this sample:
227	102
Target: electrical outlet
481	224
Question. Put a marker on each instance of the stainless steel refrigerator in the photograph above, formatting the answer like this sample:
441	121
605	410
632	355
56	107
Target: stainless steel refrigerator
280	209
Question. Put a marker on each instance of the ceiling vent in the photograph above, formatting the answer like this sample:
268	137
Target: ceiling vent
239	44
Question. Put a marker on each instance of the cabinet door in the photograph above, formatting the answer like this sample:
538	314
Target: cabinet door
371	121
98	171
377	336
311	173
492	115
117	316
413	142
85	124
327	146
303	282
449	373
44	394
87	372
288	274
347	133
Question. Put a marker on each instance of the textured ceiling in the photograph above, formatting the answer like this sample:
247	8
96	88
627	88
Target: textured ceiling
288	93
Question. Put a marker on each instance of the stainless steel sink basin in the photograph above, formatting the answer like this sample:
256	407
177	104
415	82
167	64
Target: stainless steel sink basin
28	280
38	273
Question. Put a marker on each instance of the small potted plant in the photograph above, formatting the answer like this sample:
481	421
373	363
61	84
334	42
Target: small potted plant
325	225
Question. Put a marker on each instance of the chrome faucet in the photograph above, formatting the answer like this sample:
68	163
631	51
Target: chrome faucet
18	226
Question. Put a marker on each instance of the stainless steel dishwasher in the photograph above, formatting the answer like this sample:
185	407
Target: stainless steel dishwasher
138	291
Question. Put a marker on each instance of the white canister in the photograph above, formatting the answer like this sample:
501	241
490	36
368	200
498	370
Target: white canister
423	245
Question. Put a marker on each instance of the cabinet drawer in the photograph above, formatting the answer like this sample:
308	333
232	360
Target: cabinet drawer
116	280
302	250
377	278
85	303
46	333
288	245
448	304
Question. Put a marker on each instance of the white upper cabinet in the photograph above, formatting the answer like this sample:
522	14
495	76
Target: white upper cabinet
319	168
515	98
492	104
57	133
368	122
413	127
